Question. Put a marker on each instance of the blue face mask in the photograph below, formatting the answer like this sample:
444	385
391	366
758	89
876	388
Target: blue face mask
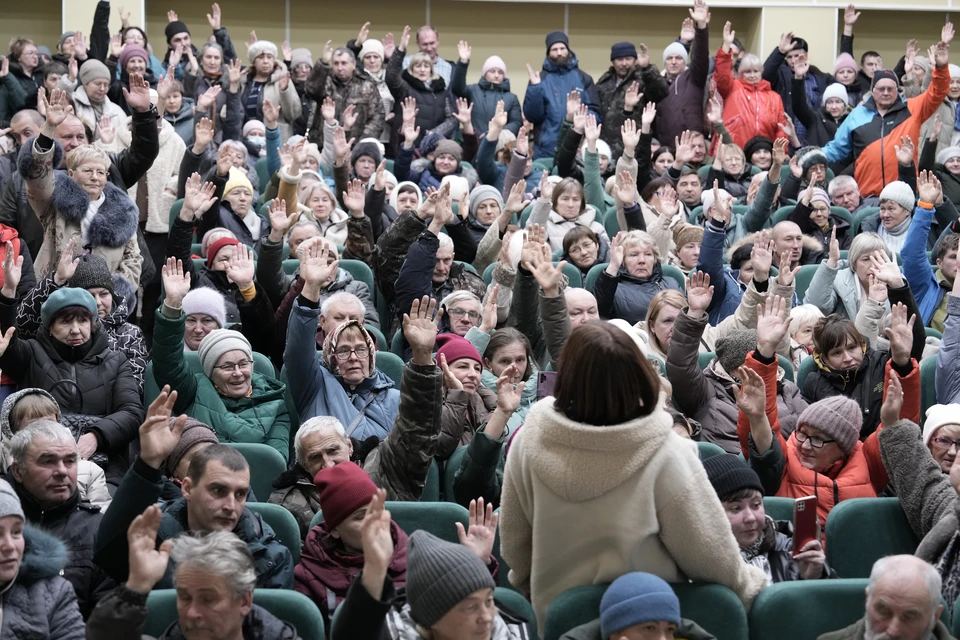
260	141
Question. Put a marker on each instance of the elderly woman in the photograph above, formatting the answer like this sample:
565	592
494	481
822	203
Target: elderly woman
213	71
80	204
841	286
239	404
237	211
633	276
584	249
750	105
90	96
123	62
346	384
267	79
420	82
18	87
372	55
131	35
467	404
37	598
897	202
827	438
71	358
563	210
602	440
941	434
731	171
813	215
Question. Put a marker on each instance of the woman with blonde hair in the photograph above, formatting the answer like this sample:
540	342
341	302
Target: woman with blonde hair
632	278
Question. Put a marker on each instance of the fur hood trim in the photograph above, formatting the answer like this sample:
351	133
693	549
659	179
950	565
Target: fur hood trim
27	165
808	243
113	225
420	165
44	556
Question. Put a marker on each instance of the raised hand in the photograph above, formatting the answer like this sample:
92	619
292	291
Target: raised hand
240	269
786	125
420	329
534	75
643	56
377	540
287	51
850	15
632	97
12	270
616	255
489	320
683	148
107	131
762	256
539	262
773	324
929	189
787	43
341	147
363	34
509	390
388	44
147	562
176	282
209	98
795	167
942	52
947	33
67	265
700	13
900	334
328	110
936	128
729	35
687	32
157	438
350	116
884	270
463	48
523	141
779	157
203	135
787	276
197	198
499	120
752	398
464	113
714	110
517	199
892	401
800	69
316	269
877	290
354	198
138	96
833	257
56	111
271	113
699	294
591	132
280	220
482	530
213	18
573	104
625	189
450	381
234	71
172	16
722	207
116	45
905	151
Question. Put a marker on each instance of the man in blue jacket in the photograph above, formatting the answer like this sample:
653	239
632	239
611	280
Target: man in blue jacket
545	103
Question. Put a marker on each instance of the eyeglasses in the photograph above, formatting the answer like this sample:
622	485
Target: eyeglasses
228	368
945	443
473	315
885	89
344	354
821	209
816	443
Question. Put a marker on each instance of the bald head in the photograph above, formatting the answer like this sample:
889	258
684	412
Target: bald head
25	124
581	306
787	237
71	134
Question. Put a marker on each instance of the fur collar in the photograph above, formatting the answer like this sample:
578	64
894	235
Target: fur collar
113	225
44	556
562	451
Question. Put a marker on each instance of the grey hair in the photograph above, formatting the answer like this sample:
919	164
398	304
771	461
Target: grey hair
299	224
445	240
235	145
48	429
211	45
316	425
460	295
803	314
643	239
220	553
749	61
864	243
345	51
907	566
340	297
840	182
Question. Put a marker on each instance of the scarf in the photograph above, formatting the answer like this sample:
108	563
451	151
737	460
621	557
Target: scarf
895	238
755	557
949	570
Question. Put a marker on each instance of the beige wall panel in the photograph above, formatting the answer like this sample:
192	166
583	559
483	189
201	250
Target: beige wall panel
239	17
39	20
816	26
887	32
312	23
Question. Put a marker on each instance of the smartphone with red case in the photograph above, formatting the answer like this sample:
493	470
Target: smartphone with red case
805	526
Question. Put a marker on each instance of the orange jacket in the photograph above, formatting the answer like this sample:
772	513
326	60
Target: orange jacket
859	475
748	109
869	139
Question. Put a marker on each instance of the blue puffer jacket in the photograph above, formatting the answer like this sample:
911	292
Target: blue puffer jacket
317	391
545	104
920	275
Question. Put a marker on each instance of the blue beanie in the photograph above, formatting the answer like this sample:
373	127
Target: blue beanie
636	598
63	298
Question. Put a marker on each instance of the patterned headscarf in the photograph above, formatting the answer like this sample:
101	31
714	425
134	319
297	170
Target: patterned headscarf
330	345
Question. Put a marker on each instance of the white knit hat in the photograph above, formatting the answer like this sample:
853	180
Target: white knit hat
901	193
836	90
371	46
458	186
954	71
676	49
946	154
937	416
207	301
706	198
218	342
603	149
261	46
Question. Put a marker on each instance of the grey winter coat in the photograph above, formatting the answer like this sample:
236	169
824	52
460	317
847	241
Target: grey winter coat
948	358
122	615
40	604
834	290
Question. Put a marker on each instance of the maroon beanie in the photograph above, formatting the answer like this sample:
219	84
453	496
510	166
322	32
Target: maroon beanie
453	347
343	489
133	51
214	248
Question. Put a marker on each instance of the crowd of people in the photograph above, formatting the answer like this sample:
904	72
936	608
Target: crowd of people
377	273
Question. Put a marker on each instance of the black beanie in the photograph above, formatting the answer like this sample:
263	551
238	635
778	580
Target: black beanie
755	144
883	74
175	27
729	474
557	36
367	149
92	271
623	50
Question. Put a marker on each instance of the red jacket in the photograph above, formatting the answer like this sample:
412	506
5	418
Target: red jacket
859	475
748	109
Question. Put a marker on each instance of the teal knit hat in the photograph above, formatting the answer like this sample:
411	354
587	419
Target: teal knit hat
63	298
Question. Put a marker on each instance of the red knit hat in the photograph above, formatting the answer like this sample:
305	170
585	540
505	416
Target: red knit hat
343	489
454	347
216	246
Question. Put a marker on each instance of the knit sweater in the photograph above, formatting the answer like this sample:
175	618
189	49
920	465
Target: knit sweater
585	504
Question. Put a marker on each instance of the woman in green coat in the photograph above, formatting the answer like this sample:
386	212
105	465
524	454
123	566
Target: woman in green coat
240	404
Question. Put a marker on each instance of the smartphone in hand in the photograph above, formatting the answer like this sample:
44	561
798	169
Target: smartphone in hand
805	526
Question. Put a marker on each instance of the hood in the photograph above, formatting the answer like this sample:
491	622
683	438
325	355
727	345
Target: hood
6	432
486	85
571	65
44	556
393	195
566	455
124	299
437	85
763	85
588	217
259	623
323	560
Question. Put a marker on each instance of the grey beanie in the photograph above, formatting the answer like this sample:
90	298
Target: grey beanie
947	153
63	37
732	350
10	501
901	193
439	575
218	342
484	192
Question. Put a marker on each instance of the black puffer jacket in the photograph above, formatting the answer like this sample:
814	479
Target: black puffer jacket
90	379
75	523
434	103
